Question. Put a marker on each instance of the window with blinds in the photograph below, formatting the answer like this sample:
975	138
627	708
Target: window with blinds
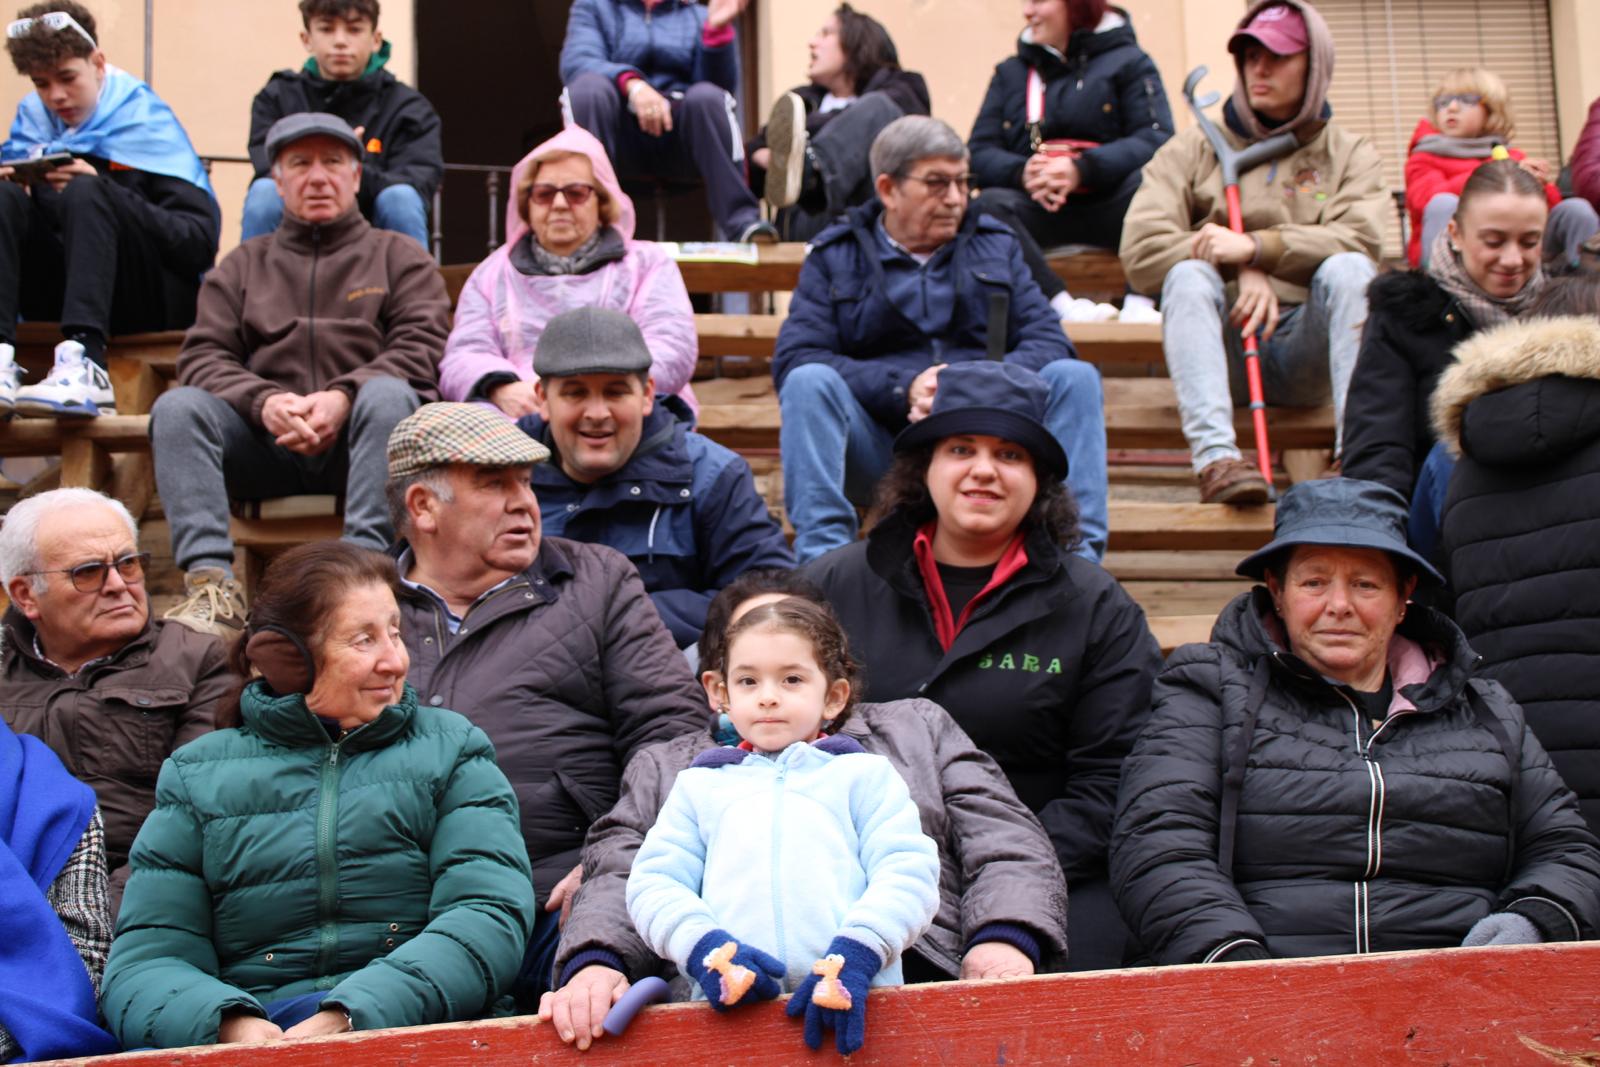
1390	55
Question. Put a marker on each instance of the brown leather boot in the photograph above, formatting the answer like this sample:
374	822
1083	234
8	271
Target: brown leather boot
1232	481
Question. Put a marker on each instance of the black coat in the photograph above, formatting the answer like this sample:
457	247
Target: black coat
1051	674
1412	326
393	114
1105	89
1348	838
1521	531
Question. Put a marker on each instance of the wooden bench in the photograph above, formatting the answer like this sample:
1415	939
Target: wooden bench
1521	1006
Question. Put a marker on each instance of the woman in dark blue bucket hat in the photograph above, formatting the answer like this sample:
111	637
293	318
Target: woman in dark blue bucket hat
1330	774
967	592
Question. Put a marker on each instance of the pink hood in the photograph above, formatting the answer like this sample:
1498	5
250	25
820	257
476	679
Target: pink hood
579	140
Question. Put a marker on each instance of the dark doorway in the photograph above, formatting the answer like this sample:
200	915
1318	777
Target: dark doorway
492	71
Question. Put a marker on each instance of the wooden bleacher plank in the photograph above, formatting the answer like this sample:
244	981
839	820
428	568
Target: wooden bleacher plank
777	269
1172	566
1089	272
1174	630
1138	525
45	437
1512	1006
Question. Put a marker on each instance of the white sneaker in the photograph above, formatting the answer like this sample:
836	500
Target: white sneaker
1082	309
77	388
786	139
1139	309
10	378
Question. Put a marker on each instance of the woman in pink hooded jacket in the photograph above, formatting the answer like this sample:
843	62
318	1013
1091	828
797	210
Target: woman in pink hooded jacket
569	244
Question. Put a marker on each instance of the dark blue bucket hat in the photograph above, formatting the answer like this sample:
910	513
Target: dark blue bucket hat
1343	513
994	399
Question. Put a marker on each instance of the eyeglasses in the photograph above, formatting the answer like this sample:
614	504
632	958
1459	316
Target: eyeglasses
1444	100
577	194
939	184
91	577
55	20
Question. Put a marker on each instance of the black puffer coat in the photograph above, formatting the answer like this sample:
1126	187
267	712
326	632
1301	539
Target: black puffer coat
1521	533
1412	326
1348	838
1105	89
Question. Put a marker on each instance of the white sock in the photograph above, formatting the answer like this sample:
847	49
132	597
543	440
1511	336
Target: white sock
1061	303
1137	300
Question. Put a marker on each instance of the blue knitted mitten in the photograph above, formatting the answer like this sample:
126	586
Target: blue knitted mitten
834	995
731	973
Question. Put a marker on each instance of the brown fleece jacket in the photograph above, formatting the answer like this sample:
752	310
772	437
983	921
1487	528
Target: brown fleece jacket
313	307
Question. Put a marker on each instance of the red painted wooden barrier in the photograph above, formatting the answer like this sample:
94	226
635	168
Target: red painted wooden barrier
1498	1006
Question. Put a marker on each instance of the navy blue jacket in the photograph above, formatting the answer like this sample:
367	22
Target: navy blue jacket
1105	89
841	314
663	46
684	509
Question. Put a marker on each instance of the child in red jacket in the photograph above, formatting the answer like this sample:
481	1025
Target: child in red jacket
1471	117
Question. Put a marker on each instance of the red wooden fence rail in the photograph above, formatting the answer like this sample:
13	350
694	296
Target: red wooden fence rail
1537	1005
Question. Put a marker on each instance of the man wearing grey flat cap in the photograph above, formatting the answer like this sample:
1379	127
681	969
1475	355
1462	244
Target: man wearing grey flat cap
310	344
629	472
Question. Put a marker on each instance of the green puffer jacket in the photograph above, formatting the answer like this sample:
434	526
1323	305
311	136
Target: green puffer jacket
387	868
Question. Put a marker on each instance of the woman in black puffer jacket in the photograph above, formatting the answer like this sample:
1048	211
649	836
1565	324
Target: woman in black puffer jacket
1328	776
1064	172
1521	532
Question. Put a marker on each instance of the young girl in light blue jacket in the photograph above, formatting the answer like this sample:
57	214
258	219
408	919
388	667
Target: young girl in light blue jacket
794	861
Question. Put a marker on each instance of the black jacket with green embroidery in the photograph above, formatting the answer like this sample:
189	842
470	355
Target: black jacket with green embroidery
1051	674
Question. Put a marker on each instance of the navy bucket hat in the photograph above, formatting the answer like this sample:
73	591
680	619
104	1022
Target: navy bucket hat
1342	513
993	399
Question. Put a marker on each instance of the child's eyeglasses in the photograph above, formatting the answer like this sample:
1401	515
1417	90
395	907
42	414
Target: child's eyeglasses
55	20
91	577
1465	99
577	194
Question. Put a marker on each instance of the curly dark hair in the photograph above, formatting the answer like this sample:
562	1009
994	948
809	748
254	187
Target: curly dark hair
866	45
905	489
339	9
816	623
42	48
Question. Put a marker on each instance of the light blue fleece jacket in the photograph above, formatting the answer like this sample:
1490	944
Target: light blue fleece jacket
785	853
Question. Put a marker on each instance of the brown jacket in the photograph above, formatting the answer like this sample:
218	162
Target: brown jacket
312	307
117	720
1324	198
997	867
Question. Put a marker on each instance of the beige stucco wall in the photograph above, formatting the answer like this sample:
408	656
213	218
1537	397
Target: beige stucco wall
1575	34
209	59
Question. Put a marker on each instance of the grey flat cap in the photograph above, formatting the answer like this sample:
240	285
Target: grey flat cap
291	128
591	340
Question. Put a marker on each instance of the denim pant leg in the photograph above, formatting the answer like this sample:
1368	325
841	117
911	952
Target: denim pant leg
379	405
1572	222
1315	361
833	451
202	448
594	102
400	209
1075	414
1427	500
1436	214
1192	323
263	209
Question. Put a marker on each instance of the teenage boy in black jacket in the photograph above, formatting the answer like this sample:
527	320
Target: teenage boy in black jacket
399	128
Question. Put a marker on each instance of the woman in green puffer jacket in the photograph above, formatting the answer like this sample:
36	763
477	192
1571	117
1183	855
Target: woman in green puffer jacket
339	859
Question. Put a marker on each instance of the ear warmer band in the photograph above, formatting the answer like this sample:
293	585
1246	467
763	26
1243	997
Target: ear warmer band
282	658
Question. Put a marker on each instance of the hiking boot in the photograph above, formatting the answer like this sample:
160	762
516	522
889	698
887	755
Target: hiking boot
1232	481
214	604
10	378
76	388
786	139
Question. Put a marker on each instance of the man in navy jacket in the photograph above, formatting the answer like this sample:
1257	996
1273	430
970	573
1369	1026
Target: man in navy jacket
628	472
890	294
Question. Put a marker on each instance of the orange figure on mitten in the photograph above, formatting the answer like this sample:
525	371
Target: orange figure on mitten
736	980
830	992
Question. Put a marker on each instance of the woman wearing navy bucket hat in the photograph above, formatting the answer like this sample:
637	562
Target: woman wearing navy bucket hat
967	593
1330	774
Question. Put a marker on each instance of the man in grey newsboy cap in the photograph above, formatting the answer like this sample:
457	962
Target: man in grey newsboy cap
628	473
310	343
549	645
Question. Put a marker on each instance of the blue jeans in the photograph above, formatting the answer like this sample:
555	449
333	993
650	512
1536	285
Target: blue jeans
398	208
834	452
1427	500
536	975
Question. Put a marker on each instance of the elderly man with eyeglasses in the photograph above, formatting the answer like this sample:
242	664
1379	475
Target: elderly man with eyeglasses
85	669
890	294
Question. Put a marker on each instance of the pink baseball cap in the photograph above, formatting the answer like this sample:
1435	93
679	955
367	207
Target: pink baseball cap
1280	29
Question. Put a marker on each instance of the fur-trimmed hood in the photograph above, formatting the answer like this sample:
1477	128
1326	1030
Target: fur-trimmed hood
1516	353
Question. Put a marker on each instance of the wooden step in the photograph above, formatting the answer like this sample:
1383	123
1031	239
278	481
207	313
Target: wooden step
1173	630
1141	525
